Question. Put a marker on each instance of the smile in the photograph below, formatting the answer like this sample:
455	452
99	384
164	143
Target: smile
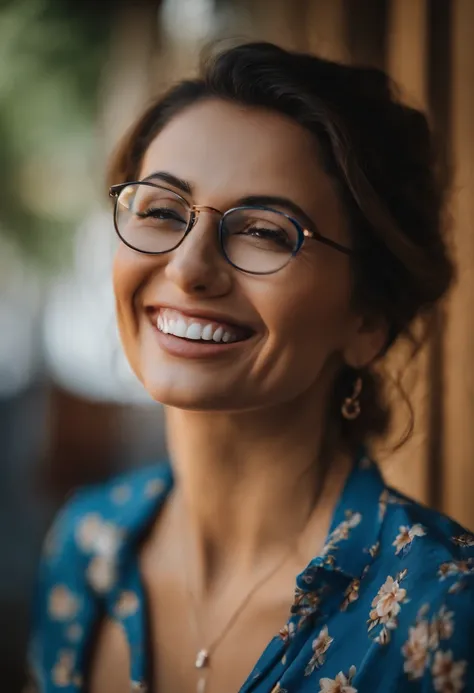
173	322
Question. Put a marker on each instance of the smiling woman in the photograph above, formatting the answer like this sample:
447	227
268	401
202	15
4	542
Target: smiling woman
280	230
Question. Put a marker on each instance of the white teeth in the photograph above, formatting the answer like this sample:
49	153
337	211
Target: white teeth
180	328
194	331
217	336
207	333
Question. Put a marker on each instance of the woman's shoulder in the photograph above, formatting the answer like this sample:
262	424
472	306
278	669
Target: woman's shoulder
426	561
81	562
121	499
98	522
392	534
409	527
417	591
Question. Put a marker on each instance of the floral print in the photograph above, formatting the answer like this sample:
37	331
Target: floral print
88	530
320	647
386	607
63	669
389	598
305	605
415	650
351	594
127	604
62	604
342	531
374	549
406	535
464	539
95	536
460	569
153	488
455	568
424	639
101	574
448	676
287	632
121	494
442	627
341	684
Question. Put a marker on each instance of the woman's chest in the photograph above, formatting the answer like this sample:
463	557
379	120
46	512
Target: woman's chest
233	632
248	653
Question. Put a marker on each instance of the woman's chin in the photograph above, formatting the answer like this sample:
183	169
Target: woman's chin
191	396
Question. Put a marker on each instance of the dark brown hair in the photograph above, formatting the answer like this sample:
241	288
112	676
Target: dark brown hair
379	153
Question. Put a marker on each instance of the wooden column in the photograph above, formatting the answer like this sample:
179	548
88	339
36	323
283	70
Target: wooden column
407	469
279	21
366	34
407	53
326	29
459	364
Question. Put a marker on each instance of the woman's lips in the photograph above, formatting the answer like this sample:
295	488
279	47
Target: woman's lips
193	349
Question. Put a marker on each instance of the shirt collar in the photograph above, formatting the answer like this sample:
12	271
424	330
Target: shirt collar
353	538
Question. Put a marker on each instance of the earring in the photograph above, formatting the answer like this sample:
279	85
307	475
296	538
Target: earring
351	406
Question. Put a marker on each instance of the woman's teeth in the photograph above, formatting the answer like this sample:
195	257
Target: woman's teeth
191	329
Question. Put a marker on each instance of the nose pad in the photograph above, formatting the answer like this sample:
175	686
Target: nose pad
196	212
198	265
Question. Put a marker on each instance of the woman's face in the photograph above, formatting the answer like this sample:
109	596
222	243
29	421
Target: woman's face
297	323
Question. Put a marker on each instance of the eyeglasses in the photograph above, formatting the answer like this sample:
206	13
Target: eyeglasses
152	219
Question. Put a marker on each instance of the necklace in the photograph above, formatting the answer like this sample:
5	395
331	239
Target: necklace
204	655
203	659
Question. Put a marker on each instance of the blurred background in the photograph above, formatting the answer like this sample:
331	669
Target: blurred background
73	75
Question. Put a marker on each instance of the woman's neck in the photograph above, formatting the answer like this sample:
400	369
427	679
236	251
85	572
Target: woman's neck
248	483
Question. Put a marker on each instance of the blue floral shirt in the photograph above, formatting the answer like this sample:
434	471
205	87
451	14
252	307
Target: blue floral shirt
387	606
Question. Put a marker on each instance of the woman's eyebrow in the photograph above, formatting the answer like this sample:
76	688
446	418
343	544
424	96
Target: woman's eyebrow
250	200
171	179
279	201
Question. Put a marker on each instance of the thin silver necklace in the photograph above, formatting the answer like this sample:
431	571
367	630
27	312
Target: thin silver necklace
203	660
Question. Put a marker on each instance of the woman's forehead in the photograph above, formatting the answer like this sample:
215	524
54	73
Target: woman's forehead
227	152
214	143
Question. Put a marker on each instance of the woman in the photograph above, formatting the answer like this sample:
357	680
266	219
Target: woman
280	231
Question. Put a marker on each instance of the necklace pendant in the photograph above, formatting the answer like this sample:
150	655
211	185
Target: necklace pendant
202	659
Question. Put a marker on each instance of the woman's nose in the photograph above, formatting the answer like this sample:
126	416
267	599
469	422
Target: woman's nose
198	265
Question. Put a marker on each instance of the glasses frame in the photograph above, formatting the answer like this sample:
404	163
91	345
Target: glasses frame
303	233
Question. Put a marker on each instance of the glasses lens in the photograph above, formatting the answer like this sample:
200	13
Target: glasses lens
259	241
150	218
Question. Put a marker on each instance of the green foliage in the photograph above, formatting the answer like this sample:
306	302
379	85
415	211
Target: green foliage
50	64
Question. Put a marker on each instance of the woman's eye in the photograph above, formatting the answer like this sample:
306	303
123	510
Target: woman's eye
160	213
275	235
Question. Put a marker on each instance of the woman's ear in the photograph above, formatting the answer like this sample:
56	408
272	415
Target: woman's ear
367	341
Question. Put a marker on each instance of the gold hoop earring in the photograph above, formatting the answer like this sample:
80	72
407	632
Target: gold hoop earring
351	406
